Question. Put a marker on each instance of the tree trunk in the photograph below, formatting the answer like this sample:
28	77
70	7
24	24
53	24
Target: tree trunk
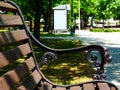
37	19
48	17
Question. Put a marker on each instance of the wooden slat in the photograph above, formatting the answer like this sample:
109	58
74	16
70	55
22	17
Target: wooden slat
88	86
60	88
10	20
31	82
8	80
75	88
13	36
26	67
103	86
30	63
45	86
4	85
14	54
6	6
112	88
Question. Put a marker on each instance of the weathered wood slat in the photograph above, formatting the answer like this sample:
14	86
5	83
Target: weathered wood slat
25	68
76	88
14	54
60	88
10	20
89	86
31	82
112	88
45	86
4	85
8	80
103	86
30	63
13	36
6	6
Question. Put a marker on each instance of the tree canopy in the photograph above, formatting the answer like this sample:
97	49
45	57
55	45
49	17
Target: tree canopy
101	9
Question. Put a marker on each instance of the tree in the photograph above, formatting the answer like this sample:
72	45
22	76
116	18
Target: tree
28	9
87	8
32	11
33	8
47	12
101	9
113	9
48	16
38	5
107	9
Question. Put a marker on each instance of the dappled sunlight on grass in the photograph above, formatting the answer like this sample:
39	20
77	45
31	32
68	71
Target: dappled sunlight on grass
56	34
21	60
3	30
70	68
105	30
65	73
61	44
80	79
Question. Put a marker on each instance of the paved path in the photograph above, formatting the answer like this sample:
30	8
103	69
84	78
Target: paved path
109	40
112	42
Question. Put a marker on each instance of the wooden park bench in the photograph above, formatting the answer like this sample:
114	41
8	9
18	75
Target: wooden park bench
16	43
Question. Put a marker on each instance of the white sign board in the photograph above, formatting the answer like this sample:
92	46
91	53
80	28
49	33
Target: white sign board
60	19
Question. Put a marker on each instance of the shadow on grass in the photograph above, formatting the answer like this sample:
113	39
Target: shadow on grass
68	68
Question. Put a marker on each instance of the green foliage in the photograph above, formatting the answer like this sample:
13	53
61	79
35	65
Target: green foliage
107	9
104	30
101	9
114	8
87	6
27	7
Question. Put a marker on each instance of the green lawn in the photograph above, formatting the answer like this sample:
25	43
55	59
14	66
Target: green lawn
104	30
56	34
68	68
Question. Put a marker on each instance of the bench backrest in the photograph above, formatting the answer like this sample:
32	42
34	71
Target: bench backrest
15	50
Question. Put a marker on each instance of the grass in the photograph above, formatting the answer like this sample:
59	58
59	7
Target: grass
104	30
3	30
70	68
55	35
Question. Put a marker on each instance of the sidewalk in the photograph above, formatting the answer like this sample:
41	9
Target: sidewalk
109	40
112	42
106	39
